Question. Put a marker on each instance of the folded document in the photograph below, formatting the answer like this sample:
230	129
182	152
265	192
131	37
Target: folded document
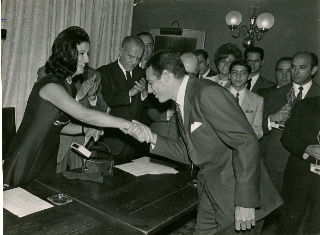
146	165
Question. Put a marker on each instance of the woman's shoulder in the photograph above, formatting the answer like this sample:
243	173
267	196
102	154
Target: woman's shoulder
49	78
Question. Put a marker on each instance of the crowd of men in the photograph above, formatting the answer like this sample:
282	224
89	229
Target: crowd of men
244	118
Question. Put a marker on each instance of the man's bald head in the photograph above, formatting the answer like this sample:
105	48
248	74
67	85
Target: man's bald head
190	62
131	52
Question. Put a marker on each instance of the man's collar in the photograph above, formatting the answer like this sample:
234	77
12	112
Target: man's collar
122	68
234	91
182	91
255	77
206	73
305	86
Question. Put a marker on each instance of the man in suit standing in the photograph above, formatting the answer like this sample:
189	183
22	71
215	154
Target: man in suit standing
148	42
302	189
277	110
233	186
301	186
204	64
250	103
254	57
282	74
124	90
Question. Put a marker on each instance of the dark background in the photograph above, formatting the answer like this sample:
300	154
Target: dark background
296	27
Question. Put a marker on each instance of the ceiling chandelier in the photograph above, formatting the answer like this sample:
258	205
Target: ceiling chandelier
258	26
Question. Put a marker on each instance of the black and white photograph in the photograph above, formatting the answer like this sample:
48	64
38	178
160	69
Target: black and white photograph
160	117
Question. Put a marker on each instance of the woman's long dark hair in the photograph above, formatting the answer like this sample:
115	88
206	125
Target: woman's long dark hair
64	58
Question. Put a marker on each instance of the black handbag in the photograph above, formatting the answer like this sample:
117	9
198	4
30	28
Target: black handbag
101	160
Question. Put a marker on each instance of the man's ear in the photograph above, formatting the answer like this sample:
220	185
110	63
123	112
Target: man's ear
314	70
262	63
208	61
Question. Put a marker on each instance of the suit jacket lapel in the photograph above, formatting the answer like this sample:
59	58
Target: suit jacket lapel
246	99
313	91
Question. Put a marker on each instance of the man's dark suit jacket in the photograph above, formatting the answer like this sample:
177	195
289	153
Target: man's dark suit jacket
264	92
224	147
115	90
302	129
273	149
261	83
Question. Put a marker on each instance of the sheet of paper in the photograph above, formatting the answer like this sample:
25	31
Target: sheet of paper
21	203
146	165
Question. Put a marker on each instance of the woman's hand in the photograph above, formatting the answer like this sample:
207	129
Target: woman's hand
95	86
86	87
91	133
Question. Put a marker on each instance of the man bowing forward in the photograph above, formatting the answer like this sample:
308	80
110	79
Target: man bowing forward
234	188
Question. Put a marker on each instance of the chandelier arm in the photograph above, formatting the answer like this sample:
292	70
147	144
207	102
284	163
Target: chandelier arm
244	30
235	31
259	35
256	29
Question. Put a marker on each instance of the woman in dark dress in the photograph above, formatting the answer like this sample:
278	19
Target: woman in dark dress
50	106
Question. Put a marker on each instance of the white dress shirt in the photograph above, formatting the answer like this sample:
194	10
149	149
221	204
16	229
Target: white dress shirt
254	79
241	94
181	94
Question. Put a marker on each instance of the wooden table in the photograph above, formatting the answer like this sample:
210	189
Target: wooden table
73	218
134	205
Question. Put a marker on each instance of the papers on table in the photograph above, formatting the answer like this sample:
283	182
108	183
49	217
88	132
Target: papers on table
21	203
146	165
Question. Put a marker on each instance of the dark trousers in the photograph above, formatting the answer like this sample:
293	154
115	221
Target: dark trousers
301	190
211	219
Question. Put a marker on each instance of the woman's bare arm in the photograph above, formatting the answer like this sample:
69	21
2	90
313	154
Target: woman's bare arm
58	96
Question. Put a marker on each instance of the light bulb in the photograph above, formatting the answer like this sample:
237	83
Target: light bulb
265	21
233	18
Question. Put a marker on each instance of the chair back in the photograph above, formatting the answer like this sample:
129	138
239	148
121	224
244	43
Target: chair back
8	129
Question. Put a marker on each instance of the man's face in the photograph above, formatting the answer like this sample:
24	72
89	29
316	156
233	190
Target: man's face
203	64
130	56
255	62
148	46
239	76
301	69
283	73
159	87
224	64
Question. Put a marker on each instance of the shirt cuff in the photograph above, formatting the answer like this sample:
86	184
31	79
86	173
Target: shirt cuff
143	97
77	99
272	124
129	98
305	156
93	102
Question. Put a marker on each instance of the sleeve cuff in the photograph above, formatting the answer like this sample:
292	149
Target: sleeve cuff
93	102
143	97
272	124
305	156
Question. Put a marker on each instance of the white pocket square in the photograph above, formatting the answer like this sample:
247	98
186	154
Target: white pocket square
195	125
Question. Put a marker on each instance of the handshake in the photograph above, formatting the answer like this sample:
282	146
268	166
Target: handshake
140	132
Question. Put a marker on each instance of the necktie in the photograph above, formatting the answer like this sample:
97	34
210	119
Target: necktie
180	122
237	97
130	81
299	96
193	169
249	83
